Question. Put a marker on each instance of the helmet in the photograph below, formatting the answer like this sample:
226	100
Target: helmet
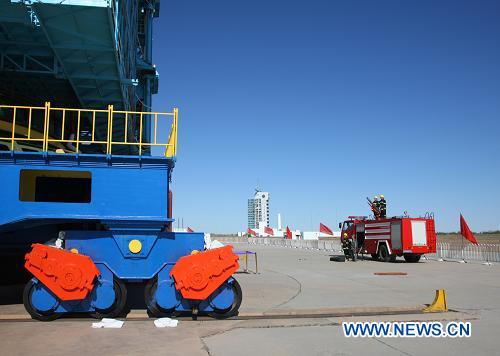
345	234
375	197
381	196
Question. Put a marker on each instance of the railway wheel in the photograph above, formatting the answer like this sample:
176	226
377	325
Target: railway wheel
384	255
153	308
233	309
411	258
48	313
118	305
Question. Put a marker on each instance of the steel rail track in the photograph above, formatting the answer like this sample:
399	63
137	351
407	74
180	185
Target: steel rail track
270	316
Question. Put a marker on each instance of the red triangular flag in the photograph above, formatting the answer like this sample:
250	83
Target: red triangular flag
251	232
268	230
465	231
288	233
325	229
189	229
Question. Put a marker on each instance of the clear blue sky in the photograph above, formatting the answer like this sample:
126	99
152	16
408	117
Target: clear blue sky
327	102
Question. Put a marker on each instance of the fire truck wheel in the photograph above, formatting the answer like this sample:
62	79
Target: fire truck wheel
410	258
374	256
384	256
118	305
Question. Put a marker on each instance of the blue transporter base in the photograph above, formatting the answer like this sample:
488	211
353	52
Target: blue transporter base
132	257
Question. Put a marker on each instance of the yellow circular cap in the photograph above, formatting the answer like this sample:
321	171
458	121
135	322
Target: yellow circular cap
135	246
74	250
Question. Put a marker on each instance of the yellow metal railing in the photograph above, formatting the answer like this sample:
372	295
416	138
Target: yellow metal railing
67	130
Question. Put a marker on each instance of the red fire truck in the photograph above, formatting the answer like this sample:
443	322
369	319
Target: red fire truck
384	239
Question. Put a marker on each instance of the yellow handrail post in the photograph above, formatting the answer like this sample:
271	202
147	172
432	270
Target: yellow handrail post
45	144
171	146
63	123
13	130
176	118
93	125
140	135
110	124
126	127
29	123
156	126
78	132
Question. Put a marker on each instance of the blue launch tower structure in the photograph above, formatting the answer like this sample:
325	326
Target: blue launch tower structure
86	165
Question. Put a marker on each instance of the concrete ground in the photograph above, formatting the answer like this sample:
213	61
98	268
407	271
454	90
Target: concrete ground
290	280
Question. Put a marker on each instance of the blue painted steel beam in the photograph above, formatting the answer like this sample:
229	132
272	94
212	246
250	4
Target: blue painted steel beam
83	47
149	11
123	81
28	44
59	59
26	63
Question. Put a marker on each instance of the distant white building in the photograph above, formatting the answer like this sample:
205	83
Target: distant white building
258	221
258	210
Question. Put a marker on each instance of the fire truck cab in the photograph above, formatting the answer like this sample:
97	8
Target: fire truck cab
385	239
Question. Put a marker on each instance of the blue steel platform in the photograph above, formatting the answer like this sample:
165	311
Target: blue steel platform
129	191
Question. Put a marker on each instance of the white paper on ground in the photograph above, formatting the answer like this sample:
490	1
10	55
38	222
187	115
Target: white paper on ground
215	244
166	322
108	323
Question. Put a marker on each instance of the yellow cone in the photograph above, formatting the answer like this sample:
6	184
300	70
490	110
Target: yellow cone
439	304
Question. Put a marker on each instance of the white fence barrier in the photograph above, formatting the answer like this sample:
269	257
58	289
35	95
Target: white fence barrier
469	252
444	250
304	244
230	239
